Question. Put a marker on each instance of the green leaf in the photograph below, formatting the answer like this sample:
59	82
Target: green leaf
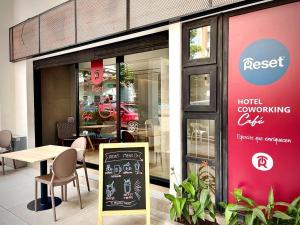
172	213
234	221
237	192
177	189
196	205
188	187
210	208
271	197
203	196
249	219
170	197
247	200
223	205
281	215
194	218
296	201
200	213
186	215
228	213
259	213
182	203
240	208
176	204
194	179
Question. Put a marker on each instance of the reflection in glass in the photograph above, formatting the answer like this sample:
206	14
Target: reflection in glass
206	173
97	103
200	43
199	89
144	106
201	138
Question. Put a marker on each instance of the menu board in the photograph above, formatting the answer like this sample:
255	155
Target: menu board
124	179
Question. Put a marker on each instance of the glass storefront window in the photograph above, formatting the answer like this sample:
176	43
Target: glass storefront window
199	46
200	89
144	106
97	100
201	138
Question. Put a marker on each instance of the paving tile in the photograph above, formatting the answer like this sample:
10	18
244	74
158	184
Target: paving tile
7	218
17	189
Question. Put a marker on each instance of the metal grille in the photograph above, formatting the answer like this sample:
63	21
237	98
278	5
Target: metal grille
25	39
57	27
151	11
217	3
98	18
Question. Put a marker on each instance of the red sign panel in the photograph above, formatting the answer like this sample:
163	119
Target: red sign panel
97	71
264	103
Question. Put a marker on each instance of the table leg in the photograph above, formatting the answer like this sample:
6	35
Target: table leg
90	142
43	203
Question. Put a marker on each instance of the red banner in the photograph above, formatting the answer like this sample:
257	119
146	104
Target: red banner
263	103
97	71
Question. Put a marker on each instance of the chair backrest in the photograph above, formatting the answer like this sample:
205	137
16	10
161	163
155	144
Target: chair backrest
80	145
5	138
127	136
65	129
64	165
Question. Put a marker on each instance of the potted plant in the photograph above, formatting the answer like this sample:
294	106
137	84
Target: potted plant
246	212
192	203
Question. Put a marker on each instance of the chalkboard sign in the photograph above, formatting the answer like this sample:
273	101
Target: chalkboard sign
124	179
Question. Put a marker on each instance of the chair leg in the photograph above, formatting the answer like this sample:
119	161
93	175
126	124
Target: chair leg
35	195
66	192
86	176
78	190
62	192
53	203
3	172
73	183
14	162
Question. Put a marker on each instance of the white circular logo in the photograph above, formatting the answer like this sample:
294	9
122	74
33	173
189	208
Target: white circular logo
262	161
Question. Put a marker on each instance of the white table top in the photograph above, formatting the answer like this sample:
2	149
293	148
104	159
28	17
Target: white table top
36	154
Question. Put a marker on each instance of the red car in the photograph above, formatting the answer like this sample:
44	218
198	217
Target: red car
128	112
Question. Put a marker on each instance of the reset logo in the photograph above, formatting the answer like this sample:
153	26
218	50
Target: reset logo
264	62
262	161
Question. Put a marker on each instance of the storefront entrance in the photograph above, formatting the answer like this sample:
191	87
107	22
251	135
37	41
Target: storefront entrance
113	95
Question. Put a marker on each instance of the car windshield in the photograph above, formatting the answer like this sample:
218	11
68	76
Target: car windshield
130	108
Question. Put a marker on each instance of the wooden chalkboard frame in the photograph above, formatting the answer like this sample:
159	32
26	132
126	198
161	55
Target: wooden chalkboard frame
125	146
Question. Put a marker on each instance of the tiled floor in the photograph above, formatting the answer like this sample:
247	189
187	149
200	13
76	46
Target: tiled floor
17	189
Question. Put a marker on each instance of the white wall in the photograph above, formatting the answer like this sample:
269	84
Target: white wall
7	103
23	78
175	93
13	79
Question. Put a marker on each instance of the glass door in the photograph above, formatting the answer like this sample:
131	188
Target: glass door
97	104
129	93
144	105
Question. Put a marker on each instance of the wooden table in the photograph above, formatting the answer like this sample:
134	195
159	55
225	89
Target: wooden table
95	127
39	154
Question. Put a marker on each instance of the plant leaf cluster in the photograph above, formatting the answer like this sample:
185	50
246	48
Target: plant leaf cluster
246	212
192	202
